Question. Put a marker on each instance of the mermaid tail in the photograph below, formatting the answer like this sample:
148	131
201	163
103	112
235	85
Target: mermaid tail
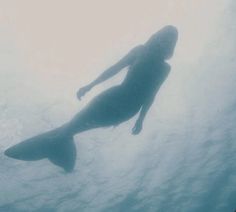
53	145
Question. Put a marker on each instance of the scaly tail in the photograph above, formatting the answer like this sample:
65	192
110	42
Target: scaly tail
54	145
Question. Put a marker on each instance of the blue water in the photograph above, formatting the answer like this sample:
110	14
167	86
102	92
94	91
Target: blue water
183	161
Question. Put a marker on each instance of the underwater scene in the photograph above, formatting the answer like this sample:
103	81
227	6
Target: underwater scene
118	106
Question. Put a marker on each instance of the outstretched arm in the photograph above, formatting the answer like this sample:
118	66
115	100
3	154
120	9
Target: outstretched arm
113	70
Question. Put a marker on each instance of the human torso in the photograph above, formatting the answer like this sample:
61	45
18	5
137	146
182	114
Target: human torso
144	77
123	101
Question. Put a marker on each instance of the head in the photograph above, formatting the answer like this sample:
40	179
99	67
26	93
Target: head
163	42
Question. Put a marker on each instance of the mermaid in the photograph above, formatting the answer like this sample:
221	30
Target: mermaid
147	70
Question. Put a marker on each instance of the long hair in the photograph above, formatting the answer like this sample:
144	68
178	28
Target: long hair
163	42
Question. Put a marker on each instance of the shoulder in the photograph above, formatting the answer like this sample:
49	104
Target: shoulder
137	49
135	53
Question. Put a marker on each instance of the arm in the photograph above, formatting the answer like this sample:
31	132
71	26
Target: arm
113	70
146	106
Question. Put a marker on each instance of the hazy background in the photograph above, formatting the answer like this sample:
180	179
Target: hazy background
184	160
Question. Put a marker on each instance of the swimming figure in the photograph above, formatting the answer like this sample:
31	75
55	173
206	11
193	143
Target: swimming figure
147	70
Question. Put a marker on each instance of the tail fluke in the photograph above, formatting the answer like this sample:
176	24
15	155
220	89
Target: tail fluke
64	155
59	149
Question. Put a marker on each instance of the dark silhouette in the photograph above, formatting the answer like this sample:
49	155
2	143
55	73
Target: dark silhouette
147	71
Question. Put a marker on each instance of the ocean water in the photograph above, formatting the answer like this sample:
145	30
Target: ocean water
183	161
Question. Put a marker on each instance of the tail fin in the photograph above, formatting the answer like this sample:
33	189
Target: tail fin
63	154
59	149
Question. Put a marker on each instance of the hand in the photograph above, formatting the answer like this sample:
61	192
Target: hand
82	91
137	127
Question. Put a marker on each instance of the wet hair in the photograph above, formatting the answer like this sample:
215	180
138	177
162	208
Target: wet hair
163	42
